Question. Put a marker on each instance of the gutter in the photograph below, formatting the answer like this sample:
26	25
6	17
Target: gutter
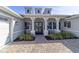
73	16
9	11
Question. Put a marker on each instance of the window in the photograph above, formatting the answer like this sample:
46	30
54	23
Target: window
54	25
28	11
59	25
27	25
38	11
50	25
69	24
65	24
48	12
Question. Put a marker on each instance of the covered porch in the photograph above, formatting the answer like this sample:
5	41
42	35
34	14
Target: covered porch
42	24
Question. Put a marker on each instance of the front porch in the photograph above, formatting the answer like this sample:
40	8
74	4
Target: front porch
42	25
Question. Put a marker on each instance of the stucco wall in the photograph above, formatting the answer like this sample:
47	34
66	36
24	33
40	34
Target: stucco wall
74	26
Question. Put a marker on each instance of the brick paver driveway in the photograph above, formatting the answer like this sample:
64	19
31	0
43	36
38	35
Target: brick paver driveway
43	46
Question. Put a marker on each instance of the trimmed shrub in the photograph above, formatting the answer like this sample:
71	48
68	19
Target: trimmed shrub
67	35
25	37
55	36
61	35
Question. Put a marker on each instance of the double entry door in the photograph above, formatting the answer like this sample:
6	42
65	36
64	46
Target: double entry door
38	28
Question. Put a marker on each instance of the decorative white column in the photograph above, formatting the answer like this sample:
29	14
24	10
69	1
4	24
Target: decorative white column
11	28
45	31
57	24
33	31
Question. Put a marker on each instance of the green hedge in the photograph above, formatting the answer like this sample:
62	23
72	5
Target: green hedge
61	35
67	35
25	37
55	36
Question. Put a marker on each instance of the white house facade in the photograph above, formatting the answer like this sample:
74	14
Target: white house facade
36	21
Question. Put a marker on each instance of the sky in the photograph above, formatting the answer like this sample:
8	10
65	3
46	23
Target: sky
56	10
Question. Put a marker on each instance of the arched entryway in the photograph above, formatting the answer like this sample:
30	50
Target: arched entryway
54	25
39	26
51	26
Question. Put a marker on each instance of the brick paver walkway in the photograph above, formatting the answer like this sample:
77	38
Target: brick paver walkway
43	46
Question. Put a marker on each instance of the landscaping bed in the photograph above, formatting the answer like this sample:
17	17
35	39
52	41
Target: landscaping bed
61	36
25	37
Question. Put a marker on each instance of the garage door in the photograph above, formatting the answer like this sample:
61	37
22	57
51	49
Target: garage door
4	31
